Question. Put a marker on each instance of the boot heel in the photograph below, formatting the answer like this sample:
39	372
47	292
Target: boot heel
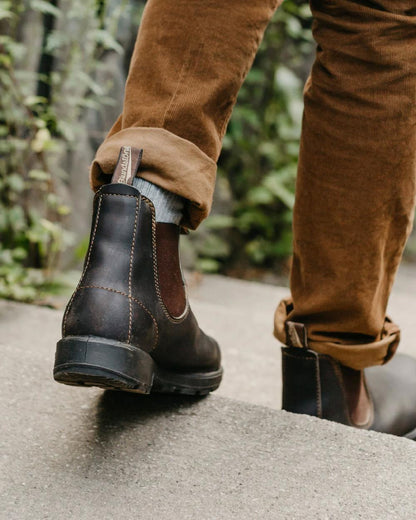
93	361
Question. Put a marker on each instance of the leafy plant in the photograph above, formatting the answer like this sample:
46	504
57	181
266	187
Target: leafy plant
47	82
260	151
39	112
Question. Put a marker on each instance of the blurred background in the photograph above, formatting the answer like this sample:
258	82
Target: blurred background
63	64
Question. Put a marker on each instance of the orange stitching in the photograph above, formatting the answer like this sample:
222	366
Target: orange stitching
131	269
85	268
118	195
130	298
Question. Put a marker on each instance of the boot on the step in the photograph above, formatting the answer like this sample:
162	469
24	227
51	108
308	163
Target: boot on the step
128	325
380	398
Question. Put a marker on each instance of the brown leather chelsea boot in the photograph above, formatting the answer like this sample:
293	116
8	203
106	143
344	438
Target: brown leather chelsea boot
128	325
380	398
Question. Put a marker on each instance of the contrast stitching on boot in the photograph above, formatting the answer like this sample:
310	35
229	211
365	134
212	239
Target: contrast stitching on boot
155	273
135	300
87	263
118	195
133	242
317	380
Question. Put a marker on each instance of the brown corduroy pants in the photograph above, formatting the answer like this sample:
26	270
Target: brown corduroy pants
356	180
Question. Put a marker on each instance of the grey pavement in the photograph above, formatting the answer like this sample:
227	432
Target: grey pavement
87	454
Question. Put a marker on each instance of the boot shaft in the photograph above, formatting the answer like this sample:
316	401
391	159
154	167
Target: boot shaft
313	385
117	285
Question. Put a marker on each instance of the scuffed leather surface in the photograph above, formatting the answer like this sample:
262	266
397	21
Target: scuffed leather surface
333	395
301	385
119	294
90	311
314	384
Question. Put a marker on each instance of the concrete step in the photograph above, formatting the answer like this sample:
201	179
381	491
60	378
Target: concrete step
85	454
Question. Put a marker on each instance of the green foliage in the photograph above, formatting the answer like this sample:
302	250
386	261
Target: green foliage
34	128
47	82
260	149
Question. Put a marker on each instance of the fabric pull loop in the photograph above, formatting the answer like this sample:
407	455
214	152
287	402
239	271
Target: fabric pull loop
127	165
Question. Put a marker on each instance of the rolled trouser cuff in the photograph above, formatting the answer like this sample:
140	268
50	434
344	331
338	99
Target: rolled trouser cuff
353	355
173	163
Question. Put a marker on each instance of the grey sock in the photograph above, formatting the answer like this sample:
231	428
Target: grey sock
168	206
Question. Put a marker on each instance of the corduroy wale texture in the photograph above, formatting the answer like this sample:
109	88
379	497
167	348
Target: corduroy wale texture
356	181
189	62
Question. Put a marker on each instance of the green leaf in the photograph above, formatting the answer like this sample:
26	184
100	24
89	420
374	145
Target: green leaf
207	265
274	184
219	222
15	182
260	195
31	101
5	10
105	39
39	175
41	141
45	7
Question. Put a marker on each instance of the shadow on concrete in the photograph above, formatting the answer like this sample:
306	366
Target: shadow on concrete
118	432
117	410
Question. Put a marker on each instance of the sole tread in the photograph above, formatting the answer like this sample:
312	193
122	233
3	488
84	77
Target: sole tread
98	377
87	361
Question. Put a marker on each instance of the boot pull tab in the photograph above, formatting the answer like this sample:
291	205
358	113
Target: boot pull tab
296	335
127	165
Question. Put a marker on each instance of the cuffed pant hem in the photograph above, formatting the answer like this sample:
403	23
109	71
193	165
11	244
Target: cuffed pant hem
173	163
356	356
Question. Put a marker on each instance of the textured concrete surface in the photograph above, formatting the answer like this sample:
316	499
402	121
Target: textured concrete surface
85	454
240	316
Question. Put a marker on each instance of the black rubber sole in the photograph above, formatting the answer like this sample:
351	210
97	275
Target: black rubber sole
92	361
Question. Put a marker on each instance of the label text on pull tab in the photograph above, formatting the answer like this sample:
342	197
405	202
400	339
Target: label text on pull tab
125	164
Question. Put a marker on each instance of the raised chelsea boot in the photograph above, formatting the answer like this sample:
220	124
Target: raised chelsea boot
380	398
128	325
